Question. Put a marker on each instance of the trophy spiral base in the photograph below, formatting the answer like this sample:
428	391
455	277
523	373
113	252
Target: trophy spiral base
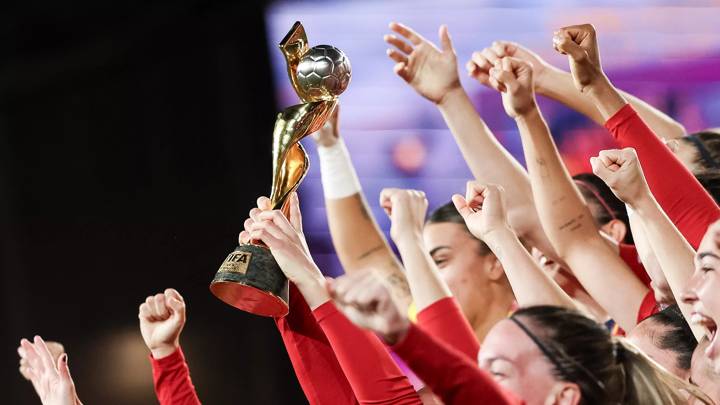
251	280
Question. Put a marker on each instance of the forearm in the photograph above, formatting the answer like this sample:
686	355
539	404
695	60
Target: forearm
313	359
571	229
681	196
171	378
674	254
451	376
559	86
357	238
426	285
373	375
529	283
491	163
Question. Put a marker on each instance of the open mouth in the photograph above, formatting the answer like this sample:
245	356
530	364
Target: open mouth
708	324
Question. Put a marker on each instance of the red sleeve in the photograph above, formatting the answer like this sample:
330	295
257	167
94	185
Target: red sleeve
317	369
648	306
171	377
630	256
373	375
449	374
678	192
444	320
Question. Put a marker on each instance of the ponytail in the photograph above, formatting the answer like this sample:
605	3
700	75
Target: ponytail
646	382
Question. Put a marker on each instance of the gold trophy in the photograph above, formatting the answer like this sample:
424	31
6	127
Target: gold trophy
250	278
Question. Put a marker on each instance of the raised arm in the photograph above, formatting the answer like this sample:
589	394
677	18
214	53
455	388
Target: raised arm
162	318
677	191
371	372
451	375
564	216
438	312
558	85
356	236
483	209
433	73
49	376
621	171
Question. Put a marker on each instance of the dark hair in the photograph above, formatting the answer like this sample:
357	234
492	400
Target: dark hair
607	370
603	204
447	213
676	336
710	180
707	145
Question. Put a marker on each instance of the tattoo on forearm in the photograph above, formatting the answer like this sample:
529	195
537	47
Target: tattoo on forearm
573	224
398	283
370	251
542	167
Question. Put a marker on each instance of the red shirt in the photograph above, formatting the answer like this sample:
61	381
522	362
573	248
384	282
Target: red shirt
171	378
681	196
444	320
449	373
630	256
648	306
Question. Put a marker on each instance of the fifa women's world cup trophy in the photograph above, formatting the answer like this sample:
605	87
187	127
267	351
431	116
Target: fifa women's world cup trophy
249	278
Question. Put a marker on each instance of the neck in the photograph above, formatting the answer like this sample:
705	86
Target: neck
498	307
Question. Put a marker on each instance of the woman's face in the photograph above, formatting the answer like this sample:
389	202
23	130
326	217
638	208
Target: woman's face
703	291
467	273
516	363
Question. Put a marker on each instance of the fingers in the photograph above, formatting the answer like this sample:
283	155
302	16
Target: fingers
145	313
401	70
44	354
160	307
281	223
564	43
173	293
461	205
445	40
397	56
492	58
295	213
386	199
62	368
474	195
407	32
264	203
178	308
269	233
244	238
398	43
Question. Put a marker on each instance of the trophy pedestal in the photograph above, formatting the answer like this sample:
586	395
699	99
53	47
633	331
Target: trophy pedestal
251	280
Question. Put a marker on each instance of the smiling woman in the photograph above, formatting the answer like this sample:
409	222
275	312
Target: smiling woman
702	292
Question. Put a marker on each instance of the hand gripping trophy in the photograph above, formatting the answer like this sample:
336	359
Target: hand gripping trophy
250	278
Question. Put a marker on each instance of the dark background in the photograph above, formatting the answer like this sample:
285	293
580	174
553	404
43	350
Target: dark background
134	138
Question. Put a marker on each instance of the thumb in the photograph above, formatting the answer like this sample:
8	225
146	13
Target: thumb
445	41
565	44
177	307
600	170
295	214
461	206
63	369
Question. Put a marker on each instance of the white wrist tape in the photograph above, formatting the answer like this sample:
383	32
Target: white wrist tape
337	173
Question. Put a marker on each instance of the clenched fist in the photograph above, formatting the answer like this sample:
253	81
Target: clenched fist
406	209
579	43
162	317
621	171
483	209
514	79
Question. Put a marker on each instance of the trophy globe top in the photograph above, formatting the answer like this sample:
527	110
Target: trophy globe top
323	73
